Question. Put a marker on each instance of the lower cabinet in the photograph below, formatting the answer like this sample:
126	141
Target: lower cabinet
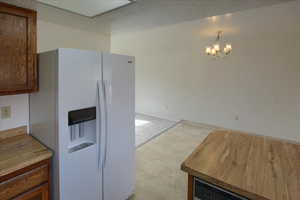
39	193
30	183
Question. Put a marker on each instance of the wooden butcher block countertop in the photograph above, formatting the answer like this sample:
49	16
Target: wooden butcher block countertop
19	150
256	167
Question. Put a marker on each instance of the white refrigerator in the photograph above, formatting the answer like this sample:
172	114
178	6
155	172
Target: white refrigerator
84	112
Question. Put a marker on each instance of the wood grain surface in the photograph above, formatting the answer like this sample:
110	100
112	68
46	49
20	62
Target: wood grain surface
18	51
19	152
190	194
256	167
39	193
24	182
13	132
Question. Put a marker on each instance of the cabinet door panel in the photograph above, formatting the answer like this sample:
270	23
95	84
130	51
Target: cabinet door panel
13	54
18	70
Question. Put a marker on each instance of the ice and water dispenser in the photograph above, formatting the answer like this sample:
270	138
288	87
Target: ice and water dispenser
82	128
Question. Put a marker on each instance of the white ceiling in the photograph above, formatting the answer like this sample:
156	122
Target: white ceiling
89	8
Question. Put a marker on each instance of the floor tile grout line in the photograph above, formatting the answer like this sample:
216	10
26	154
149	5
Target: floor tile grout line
160	133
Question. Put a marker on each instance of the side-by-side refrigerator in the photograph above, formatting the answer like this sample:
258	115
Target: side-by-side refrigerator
84	112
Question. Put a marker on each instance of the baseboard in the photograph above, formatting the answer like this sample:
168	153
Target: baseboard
203	125
159	117
217	128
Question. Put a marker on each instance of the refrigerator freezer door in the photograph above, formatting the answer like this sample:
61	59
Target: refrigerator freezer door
79	175
119	168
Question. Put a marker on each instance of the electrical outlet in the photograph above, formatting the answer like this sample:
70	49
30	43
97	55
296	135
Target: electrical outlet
5	112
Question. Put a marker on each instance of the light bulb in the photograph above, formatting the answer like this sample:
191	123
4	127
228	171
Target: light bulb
208	50
213	51
225	49
229	47
217	47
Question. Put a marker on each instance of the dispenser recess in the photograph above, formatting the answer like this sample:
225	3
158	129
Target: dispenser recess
82	128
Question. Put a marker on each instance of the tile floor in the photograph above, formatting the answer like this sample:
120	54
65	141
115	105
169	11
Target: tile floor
148	127
158	162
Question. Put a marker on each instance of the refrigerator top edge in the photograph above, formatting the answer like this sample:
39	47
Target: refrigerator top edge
115	54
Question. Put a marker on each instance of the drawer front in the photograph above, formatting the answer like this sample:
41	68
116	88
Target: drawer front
39	193
23	182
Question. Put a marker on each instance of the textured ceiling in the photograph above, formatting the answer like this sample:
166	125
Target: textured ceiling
152	13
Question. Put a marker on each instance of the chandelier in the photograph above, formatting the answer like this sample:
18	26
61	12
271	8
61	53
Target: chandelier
219	50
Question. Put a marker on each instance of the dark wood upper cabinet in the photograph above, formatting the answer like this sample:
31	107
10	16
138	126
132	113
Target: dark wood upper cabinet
18	51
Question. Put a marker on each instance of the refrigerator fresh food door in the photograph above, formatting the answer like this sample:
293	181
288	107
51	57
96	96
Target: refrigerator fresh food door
79	174
119	160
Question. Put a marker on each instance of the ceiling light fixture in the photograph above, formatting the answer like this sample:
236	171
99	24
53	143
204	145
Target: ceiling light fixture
218	50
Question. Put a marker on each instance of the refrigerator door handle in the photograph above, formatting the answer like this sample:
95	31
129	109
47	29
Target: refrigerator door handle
107	101
98	123
101	120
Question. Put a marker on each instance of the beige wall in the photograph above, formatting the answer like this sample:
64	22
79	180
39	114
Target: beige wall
256	89
56	29
52	36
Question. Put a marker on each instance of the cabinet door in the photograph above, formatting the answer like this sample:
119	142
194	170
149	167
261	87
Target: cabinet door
39	193
18	70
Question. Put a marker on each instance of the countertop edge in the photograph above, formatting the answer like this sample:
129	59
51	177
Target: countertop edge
28	163
20	134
